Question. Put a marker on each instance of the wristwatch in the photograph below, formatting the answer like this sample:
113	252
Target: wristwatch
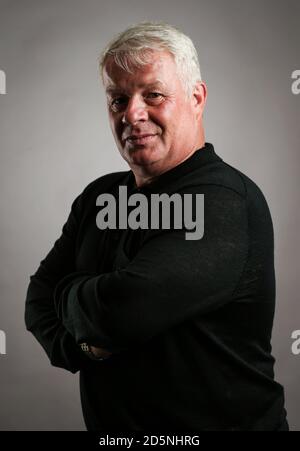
88	352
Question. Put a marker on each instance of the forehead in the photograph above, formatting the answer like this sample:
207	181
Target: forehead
161	70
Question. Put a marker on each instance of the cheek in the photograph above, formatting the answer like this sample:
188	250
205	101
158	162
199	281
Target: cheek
116	126
166	118
172	124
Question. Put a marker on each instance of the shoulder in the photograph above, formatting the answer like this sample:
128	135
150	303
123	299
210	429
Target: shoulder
105	182
102	184
224	177
244	185
230	186
227	190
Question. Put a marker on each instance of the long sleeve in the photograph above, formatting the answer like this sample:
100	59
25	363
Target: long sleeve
40	315
169	280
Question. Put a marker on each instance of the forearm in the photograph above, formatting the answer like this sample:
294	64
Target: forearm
169	281
40	315
41	320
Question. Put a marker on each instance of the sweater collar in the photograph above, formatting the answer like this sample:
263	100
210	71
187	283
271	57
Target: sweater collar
201	157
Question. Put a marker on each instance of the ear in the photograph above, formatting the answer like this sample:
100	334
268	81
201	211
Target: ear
199	97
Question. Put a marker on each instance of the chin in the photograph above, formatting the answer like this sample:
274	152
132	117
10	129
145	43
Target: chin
143	155
143	161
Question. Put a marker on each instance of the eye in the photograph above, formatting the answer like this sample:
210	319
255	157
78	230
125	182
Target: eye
154	97
118	103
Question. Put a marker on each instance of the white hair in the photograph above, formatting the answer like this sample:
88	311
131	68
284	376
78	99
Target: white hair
133	48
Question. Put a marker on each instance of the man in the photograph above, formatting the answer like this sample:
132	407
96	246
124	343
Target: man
169	334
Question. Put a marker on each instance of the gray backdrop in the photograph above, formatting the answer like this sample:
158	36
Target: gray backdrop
55	139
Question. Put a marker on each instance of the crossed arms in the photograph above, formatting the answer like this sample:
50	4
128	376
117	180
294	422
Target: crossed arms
169	280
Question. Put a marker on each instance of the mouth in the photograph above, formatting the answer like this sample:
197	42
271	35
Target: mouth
141	139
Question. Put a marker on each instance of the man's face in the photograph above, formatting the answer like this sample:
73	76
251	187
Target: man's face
152	120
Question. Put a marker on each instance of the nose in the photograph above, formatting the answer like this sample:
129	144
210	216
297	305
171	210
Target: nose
136	110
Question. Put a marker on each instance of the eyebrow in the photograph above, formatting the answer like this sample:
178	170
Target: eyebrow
111	89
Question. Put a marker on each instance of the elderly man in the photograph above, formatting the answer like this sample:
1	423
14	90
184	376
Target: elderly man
169	334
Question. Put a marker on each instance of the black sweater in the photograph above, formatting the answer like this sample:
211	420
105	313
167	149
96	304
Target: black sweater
188	322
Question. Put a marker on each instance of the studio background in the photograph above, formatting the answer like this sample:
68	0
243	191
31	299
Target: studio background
55	139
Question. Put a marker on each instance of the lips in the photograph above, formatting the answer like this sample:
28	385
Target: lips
137	137
141	140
